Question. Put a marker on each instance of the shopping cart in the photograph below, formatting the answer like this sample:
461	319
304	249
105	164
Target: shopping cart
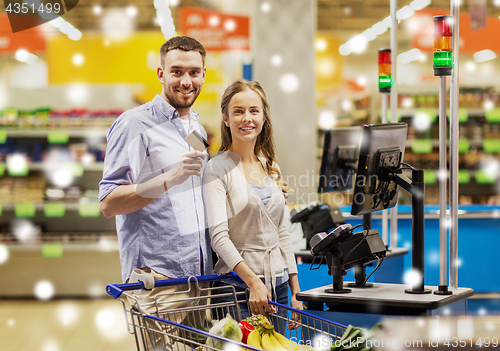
186	327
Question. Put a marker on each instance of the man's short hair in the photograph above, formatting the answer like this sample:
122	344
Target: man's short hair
183	43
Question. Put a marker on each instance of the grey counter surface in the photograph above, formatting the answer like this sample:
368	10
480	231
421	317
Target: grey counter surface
382	294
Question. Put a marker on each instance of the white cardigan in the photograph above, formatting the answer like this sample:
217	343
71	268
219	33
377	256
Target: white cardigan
241	227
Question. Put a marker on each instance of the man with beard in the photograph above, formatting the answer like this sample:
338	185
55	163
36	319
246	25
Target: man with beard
152	177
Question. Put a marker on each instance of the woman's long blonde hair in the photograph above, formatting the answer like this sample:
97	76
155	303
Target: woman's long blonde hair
265	142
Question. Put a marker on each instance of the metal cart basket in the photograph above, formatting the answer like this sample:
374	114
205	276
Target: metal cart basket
158	326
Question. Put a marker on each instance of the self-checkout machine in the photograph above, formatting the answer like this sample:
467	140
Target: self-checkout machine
381	158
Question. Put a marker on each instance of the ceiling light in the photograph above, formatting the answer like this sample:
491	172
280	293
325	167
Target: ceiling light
344	50
369	34
380	27
66	28
97	9
404	13
26	57
75	35
347	10
409	56
174	3
496	3
419	4
388	21
165	18
358	44
484	55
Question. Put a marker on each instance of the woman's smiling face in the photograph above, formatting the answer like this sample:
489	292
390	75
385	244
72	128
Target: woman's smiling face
245	116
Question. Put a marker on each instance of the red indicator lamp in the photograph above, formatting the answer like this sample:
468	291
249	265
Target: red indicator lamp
384	71
443	49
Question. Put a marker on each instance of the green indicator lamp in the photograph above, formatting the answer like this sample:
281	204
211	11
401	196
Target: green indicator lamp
384	71
443	49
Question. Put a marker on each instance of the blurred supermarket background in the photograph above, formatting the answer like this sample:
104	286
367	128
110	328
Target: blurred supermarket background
63	83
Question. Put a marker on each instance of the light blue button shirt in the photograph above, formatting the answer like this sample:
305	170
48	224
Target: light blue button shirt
169	235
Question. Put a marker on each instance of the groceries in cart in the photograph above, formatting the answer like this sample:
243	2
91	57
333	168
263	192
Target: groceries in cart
190	325
226	327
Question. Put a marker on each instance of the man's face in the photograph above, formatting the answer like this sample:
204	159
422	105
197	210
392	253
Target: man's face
182	76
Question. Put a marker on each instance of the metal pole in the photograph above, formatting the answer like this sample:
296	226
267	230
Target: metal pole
455	13
394	105
443	183
418	233
443	180
385	213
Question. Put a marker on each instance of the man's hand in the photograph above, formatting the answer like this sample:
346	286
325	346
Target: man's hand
188	165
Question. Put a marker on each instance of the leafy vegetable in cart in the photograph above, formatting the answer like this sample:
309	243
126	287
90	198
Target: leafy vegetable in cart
355	338
226	327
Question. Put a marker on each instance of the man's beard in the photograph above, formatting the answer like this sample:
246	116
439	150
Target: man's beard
178	102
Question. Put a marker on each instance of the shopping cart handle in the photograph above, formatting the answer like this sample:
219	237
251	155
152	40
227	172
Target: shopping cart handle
115	290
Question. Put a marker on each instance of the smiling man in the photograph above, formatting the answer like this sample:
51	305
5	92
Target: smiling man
152	177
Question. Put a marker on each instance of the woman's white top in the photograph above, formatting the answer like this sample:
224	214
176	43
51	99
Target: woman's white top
241	227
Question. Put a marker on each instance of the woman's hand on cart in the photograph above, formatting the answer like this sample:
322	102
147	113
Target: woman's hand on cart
296	320
258	299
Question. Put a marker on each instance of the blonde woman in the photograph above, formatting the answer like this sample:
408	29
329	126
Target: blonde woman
244	205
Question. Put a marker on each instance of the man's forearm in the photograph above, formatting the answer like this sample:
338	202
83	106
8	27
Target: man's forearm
130	198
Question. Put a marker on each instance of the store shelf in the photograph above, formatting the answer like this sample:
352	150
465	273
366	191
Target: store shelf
40	166
42	133
435	142
411	112
52	209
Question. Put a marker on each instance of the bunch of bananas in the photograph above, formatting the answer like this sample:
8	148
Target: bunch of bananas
268	339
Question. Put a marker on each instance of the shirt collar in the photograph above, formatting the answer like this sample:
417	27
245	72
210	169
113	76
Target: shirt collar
169	112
